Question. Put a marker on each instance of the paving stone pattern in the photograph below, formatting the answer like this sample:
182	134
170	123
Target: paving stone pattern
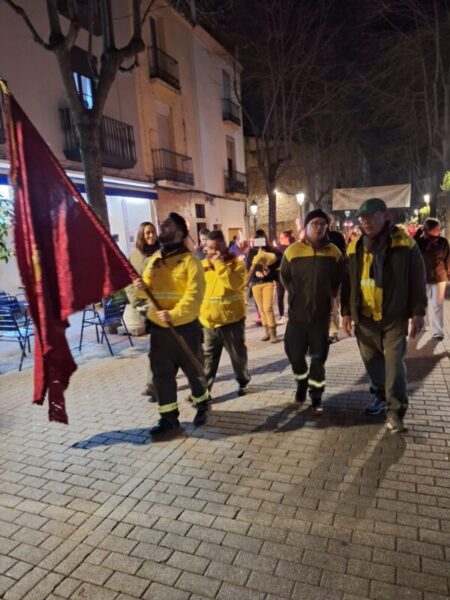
266	502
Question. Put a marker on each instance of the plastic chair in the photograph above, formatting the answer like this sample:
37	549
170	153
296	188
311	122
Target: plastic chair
15	328
112	315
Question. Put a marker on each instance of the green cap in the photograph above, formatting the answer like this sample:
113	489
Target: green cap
370	206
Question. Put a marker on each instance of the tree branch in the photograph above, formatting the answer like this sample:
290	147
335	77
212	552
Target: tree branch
21	12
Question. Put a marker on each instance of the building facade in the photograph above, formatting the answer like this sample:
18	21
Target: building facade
164	134
191	123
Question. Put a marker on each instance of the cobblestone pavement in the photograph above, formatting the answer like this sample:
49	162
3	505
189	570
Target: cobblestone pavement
266	502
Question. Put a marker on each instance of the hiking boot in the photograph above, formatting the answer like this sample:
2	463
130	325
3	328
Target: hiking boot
165	425
242	390
376	407
300	394
316	404
273	335
148	391
202	414
395	424
266	336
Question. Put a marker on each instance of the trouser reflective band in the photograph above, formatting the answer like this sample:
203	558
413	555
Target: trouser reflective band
167	408
316	384
301	377
197	400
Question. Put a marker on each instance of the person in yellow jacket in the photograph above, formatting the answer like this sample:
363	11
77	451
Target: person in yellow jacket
175	278
222	312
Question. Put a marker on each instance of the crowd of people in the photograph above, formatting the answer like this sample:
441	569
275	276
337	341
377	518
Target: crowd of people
377	282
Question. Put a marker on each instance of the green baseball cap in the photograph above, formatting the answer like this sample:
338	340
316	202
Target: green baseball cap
370	206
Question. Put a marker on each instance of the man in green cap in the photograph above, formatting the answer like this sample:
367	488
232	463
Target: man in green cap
385	288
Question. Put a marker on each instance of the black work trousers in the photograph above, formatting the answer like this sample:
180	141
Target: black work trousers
383	348
301	339
166	357
232	338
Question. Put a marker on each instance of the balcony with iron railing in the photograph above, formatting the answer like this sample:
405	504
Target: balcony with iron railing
235	182
117	146
2	128
231	111
163	67
171	166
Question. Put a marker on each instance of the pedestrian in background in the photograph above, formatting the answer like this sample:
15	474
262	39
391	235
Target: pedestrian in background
175	278
146	245
222	313
263	262
311	271
200	249
338	240
436	256
386	287
285	240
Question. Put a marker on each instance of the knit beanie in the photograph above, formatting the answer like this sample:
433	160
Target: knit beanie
318	213
180	223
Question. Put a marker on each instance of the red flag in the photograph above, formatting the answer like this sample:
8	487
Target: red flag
66	257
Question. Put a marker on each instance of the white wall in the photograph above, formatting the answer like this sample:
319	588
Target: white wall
33	77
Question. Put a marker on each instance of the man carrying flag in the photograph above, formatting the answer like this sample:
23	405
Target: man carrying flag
60	275
175	279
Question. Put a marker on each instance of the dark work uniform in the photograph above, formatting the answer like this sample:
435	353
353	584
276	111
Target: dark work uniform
312	278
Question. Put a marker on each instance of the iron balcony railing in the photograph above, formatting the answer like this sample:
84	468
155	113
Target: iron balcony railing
2	128
235	182
231	111
117	146
171	166
164	67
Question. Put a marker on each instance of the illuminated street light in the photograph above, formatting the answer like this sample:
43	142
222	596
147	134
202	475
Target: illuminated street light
416	211
426	198
300	197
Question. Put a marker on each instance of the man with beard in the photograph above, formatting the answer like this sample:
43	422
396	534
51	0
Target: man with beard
311	271
386	289
175	278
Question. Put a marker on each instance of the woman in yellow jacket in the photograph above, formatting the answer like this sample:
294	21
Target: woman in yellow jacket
222	313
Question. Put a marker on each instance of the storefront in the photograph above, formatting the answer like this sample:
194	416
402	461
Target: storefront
129	203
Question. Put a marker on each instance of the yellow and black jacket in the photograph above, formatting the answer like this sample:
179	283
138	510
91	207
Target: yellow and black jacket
224	301
403	292
312	278
177	282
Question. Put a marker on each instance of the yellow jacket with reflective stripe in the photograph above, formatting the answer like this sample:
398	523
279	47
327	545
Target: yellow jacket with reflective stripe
178	284
224	301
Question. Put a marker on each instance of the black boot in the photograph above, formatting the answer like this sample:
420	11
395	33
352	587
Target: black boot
202	414
165	425
300	394
316	403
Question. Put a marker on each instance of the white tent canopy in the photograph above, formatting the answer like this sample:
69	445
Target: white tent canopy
395	196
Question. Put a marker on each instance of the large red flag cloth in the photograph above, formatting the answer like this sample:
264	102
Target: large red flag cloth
66	257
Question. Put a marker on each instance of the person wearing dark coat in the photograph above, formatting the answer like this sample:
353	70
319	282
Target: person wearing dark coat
436	256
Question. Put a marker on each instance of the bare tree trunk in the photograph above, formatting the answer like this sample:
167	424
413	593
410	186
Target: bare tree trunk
272	200
89	133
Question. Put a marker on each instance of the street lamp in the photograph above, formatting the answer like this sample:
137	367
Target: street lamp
426	198
254	211
300	197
